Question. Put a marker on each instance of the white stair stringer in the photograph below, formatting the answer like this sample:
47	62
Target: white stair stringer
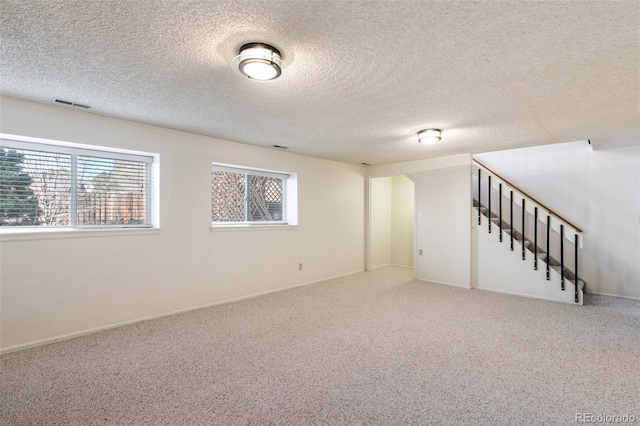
498	268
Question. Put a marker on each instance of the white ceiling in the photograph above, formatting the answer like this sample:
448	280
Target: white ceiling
363	77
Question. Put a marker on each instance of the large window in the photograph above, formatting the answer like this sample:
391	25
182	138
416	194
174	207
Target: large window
242	196
43	185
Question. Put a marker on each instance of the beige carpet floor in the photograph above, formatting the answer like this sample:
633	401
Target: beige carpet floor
371	348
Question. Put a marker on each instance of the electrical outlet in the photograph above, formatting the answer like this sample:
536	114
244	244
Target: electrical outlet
420	252
299	266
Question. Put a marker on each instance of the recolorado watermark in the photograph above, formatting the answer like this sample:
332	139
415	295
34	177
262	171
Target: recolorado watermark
591	418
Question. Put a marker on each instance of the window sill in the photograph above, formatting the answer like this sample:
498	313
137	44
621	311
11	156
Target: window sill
52	233
232	228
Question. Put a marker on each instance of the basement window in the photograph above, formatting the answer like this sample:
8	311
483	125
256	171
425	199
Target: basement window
45	185
242	196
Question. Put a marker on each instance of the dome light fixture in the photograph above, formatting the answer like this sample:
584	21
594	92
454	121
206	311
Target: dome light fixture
258	61
429	136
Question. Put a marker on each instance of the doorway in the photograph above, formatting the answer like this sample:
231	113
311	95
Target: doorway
391	222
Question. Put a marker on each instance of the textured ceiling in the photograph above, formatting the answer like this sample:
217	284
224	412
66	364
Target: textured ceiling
363	77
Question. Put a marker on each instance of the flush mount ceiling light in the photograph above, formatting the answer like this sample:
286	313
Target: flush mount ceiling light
429	136
258	61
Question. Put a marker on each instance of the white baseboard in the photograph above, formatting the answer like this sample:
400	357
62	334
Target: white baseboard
444	283
380	267
512	293
73	335
391	264
611	295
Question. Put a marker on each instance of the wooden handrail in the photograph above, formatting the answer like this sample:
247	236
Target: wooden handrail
529	196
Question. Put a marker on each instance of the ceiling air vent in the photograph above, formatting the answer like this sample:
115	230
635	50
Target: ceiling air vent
73	104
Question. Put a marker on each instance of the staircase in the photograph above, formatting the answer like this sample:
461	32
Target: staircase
513	221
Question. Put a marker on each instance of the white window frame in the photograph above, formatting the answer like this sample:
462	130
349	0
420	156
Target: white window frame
8	141
289	201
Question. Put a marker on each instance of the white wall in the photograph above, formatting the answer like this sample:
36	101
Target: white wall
402	218
380	217
443	225
599	191
417	166
61	285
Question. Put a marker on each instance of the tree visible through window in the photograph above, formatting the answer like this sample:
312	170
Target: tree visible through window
239	196
18	203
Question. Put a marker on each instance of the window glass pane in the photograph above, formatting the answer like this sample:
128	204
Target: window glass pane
265	198
48	185
245	197
34	188
228	197
111	191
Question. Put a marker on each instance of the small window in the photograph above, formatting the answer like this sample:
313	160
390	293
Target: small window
60	186
242	196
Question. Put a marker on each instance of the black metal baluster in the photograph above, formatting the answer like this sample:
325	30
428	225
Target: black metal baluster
500	205
511	218
523	233
562	256
548	245
575	244
535	238
489	204
479	196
